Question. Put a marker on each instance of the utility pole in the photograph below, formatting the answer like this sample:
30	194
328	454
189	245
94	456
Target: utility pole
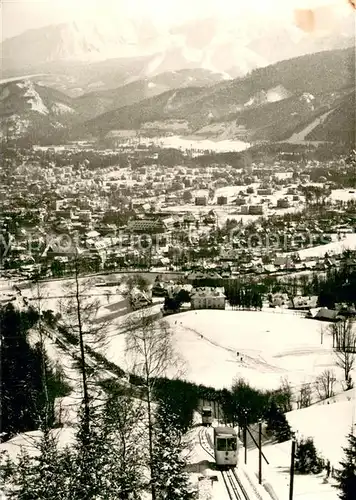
260	452
245	443
291	483
245	436
353	429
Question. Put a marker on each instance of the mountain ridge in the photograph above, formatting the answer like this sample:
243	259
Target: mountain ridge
139	48
318	77
269	104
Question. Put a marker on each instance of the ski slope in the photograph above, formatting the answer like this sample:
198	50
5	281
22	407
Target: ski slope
271	346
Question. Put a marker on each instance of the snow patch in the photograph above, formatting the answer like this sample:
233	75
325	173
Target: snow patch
154	64
277	93
274	94
59	108
169	104
308	99
33	97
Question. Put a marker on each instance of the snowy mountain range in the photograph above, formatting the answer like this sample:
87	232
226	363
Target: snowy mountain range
83	53
270	103
313	93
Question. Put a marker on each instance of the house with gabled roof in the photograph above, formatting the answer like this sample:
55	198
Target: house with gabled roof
323	314
208	298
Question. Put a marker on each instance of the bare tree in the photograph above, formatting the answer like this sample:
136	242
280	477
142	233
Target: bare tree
286	395
149	344
136	281
324	384
344	342
305	395
84	329
343	333
345	360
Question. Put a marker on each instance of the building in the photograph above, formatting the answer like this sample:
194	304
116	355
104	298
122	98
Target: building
222	200
283	203
323	314
304	303
146	226
208	298
256	210
284	262
84	215
139	299
264	191
201	200
278	300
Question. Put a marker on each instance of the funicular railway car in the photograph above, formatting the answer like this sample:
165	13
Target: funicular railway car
225	446
207	416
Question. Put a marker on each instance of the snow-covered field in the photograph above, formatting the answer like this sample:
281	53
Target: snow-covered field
271	347
201	144
343	194
53	293
28	441
334	248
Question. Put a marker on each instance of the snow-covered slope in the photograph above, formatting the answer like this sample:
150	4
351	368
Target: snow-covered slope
328	424
26	106
271	346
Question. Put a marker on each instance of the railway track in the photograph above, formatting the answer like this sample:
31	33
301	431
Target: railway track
234	487
204	443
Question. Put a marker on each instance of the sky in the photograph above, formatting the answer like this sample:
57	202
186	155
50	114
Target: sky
18	16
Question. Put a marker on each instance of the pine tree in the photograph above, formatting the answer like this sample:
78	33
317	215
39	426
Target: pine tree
277	423
107	463
169	475
38	476
307	460
346	476
87	457
123	437
181	397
